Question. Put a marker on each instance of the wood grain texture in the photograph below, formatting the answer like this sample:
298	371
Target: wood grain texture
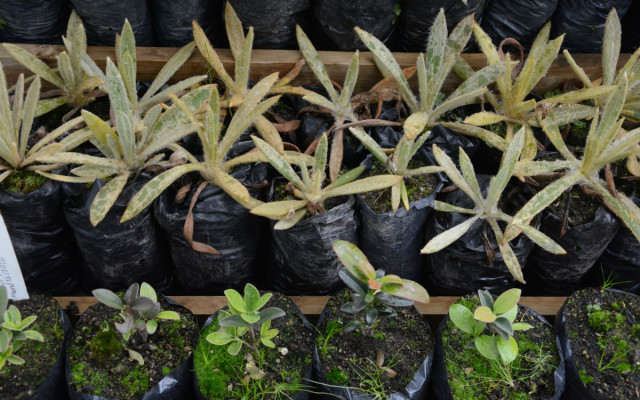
313	305
265	62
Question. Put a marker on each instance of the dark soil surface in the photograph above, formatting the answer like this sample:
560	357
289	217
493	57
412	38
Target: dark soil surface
582	207
350	358
22	381
115	376
418	187
471	376
604	331
220	375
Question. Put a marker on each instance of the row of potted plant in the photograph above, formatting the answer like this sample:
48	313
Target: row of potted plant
180	169
368	343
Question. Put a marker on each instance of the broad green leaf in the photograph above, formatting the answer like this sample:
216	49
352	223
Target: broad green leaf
368	184
219	338
34	64
152	326
447	237
235	300
105	198
462	318
251	297
611	47
354	260
168	315
278	162
506	301
269	314
508	349
292	157
509	160
279	209
388	65
608	126
408	290
234	348
34	335
15	360
521	326
249	318
484	314
315	63
484	118
487	346
108	298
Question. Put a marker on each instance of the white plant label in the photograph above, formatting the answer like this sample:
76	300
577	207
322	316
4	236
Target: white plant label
10	273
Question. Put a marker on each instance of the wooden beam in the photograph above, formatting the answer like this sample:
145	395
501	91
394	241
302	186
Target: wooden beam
265	62
313	305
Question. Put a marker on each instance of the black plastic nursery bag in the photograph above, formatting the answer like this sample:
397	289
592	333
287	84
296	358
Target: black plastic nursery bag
41	238
102	19
440	381
220	222
273	21
172	20
517	19
338	18
115	254
417	17
559	274
416	389
302	260
583	22
33	21
630	31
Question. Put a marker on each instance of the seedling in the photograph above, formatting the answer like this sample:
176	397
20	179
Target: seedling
492	326
245	316
375	294
13	331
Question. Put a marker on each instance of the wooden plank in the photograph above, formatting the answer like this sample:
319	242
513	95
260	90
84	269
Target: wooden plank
313	305
265	62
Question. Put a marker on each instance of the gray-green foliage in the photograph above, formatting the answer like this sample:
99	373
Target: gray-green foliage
374	293
492	324
426	109
140	310
487	207
246	323
75	86
13	331
309	188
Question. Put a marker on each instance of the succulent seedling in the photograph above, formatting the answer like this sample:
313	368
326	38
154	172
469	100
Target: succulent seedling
13	331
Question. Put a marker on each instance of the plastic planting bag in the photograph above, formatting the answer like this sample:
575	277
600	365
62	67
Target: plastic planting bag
338	18
102	19
630	31
517	19
302	260
273	21
583	22
33	21
218	221
115	254
41	238
464	266
417	17
172	20
560	274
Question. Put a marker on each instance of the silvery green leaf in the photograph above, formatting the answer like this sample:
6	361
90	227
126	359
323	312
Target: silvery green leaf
487	136
446	207
611	47
622	206
435	59
177	87
479	79
209	54
369	143
319	100
469	175
345	178
135	356
169	69
368	184
288	222
269	314
506	301
550	127
244	61
278	162
449	236
105	198
66	71
350	81
608	126
578	95
541	239
453	173
509	160
28	114
279	209
34	64
357	286
108	298
148	291
315	63
511	261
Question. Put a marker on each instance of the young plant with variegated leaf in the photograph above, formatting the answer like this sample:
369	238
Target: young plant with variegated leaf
74	85
511	106
308	187
17	113
13	331
426	111
237	87
486	207
131	145
216	166
607	142
374	293
492	325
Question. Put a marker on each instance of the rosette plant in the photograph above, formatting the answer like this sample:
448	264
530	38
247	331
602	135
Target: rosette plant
487	207
511	105
13	331
426	108
309	187
375	294
73	84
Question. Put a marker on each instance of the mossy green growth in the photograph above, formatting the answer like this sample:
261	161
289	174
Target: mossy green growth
337	376
105	344
23	182
586	379
136	381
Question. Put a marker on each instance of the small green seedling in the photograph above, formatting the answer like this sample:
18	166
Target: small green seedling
492	325
375	293
245	316
140	310
13	331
